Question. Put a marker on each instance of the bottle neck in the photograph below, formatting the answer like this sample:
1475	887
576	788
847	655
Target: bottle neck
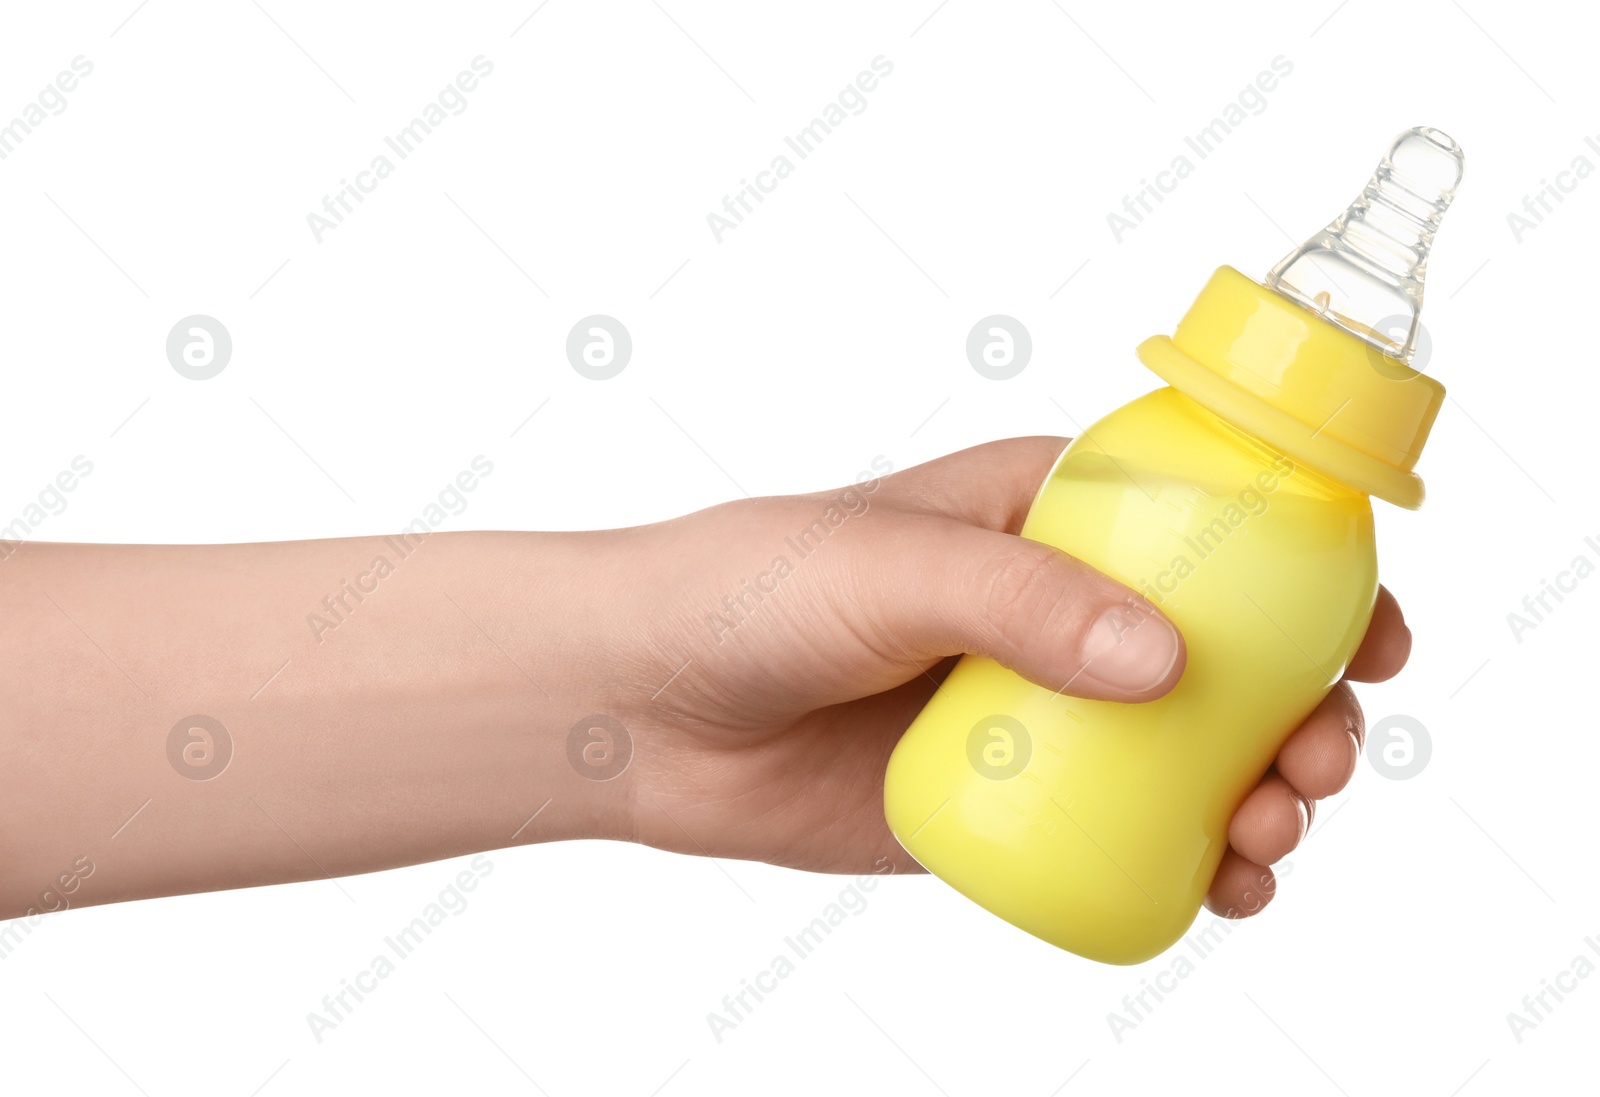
1310	480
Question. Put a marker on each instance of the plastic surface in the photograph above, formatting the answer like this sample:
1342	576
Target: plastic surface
1098	826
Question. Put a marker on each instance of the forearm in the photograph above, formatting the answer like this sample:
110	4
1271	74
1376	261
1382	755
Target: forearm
419	711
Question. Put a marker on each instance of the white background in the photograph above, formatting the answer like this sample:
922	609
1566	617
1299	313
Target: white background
829	328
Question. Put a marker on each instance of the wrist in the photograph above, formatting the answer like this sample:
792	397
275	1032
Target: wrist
538	613
611	652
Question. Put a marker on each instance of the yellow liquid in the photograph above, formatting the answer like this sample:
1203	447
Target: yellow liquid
1099	826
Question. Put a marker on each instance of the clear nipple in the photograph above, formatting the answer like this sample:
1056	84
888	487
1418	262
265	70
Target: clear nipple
1364	271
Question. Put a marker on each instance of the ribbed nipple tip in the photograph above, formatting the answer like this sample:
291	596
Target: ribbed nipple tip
1429	157
1364	271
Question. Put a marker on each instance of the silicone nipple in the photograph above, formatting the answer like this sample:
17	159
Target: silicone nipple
1364	271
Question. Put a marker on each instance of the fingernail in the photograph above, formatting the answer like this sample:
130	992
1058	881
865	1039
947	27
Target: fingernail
1129	650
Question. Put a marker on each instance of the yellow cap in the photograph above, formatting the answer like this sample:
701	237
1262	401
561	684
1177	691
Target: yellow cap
1301	385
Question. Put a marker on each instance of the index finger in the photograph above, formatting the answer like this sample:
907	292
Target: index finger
990	485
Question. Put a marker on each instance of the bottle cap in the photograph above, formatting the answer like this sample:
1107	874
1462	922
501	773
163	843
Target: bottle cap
1308	365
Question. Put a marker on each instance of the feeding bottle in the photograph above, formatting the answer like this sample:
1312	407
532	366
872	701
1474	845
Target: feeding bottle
1235	500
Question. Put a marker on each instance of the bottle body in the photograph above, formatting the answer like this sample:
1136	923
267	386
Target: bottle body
1099	826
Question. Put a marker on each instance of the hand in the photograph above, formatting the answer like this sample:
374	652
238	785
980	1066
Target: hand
808	656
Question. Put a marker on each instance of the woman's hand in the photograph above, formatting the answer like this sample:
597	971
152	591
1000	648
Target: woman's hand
790	641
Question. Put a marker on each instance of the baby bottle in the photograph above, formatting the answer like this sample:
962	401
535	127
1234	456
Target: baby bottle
1235	500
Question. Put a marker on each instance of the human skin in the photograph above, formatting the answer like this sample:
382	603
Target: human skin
435	719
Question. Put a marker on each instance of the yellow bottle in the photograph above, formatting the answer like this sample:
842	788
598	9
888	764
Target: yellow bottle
1236	501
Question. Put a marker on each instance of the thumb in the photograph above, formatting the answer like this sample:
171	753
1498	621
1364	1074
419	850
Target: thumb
1039	611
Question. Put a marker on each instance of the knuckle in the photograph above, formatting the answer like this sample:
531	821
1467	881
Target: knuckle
1355	718
1024	584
